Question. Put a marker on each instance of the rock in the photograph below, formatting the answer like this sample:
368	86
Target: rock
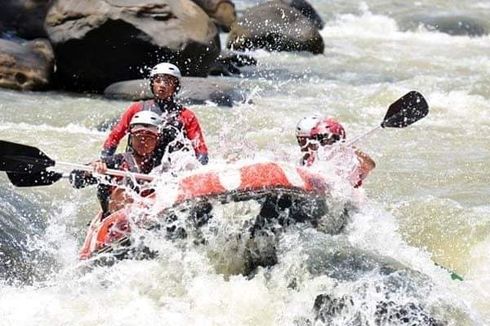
221	91
21	224
227	64
98	43
24	17
330	309
275	26
221	11
239	60
452	25
381	290
132	90
220	68
391	313
26	65
327	307
307	10
195	90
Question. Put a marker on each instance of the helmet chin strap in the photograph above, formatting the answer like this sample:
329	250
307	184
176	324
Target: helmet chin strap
129	147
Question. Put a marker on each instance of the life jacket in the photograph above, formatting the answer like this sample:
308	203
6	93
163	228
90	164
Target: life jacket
124	162
172	127
353	173
170	114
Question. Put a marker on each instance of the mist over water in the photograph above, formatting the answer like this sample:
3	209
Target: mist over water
426	202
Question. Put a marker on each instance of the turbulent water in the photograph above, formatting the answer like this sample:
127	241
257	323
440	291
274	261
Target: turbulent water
426	202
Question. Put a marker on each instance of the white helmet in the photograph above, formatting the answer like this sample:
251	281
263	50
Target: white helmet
146	120
306	125
165	69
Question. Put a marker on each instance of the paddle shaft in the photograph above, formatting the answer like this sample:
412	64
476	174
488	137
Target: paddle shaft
117	173
358	138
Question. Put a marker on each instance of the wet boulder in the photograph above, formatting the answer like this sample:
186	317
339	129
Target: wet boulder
307	10
391	313
452	25
222	92
132	90
26	65
21	225
330	309
366	288
24	17
195	90
275	26
97	43
228	64
221	11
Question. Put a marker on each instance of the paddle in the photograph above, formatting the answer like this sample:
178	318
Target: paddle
405	111
29	179
26	166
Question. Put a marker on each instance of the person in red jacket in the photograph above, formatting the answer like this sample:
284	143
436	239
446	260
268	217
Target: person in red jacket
314	133
177	120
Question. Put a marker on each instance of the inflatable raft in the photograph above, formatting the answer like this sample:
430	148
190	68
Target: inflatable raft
285	194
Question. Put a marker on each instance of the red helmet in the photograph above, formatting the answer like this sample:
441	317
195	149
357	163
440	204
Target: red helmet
328	129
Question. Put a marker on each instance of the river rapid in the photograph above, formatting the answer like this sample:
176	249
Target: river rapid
425	203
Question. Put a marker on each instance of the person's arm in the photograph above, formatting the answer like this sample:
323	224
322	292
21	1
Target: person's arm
195	135
119	130
367	164
81	178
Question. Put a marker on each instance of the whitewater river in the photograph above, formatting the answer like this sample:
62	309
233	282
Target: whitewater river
427	200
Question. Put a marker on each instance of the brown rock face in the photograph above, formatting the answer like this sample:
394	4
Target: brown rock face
307	10
26	65
275	26
99	42
221	11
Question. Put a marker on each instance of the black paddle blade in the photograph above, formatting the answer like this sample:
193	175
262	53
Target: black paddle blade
40	178
22	158
406	110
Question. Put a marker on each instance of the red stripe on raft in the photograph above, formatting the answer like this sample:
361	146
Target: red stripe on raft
263	176
199	186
